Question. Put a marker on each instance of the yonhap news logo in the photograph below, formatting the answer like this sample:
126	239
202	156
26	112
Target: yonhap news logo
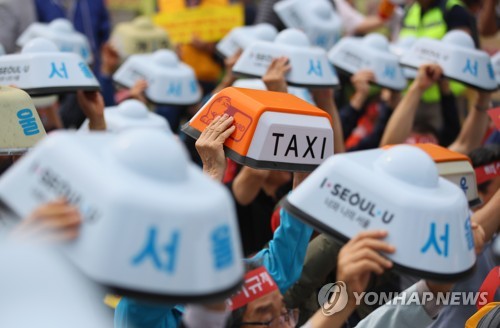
333	298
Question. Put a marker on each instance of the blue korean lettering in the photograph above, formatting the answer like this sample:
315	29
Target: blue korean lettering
469	236
491	71
86	70
433	241
470	67
221	247
193	85
155	253
85	53
61	72
28	122
174	89
463	184
315	68
390	72
322	41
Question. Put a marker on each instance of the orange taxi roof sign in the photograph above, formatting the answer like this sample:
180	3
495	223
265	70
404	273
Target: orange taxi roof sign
248	107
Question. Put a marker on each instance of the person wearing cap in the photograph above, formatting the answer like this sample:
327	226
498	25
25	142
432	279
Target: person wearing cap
358	260
423	132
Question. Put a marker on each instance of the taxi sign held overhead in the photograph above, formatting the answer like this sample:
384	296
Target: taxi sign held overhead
131	114
170	81
317	18
371	52
399	48
242	37
310	66
62	33
275	131
139	36
144	240
397	190
42	69
457	56
20	125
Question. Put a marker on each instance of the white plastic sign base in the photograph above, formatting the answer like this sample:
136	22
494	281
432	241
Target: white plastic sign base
317	18
289	142
131	114
242	37
154	244
62	33
170	82
398	190
41	69
310	66
458	58
372	53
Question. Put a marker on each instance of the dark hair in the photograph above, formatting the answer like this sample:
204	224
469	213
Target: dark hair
236	317
484	156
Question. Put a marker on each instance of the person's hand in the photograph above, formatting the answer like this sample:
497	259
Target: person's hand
360	257
427	75
210	145
479	237
137	91
92	105
110	59
390	97
361	82
56	221
274	79
201	45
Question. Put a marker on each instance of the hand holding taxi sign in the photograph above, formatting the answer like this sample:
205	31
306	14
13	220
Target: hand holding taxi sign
272	130
154	256
398	190
457	56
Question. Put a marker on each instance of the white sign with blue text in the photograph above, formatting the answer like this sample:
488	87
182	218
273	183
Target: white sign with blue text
397	190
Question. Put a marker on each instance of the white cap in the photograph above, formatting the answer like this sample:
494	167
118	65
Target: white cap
398	190
310	66
457	56
371	52
163	230
317	18
131	114
241	37
62	33
42	69
170	81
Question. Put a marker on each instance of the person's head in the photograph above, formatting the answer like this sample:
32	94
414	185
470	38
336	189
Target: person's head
422	132
482	157
269	309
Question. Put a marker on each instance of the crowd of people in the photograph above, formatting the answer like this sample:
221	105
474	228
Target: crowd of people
298	259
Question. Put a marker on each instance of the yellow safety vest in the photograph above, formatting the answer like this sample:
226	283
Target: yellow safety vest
431	25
